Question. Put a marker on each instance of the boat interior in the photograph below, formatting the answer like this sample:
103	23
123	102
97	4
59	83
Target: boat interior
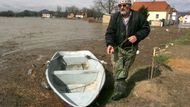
72	74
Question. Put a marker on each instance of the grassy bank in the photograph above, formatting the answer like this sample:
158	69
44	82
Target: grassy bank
183	40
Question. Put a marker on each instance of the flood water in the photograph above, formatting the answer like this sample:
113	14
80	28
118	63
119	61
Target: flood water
30	33
25	46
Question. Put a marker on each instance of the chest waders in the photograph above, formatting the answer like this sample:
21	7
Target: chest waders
122	59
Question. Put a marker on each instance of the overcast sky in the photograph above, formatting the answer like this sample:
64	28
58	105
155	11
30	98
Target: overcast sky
20	5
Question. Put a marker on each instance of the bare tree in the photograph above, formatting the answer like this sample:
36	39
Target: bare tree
72	9
58	12
59	9
106	5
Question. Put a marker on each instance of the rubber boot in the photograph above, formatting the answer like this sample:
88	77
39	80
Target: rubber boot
119	90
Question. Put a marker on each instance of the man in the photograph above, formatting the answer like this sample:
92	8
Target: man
125	30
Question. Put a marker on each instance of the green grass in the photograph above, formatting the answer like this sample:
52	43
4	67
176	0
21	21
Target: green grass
183	40
161	59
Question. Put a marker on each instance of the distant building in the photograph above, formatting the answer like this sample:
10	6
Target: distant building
160	12
106	18
45	14
81	15
174	15
70	15
186	19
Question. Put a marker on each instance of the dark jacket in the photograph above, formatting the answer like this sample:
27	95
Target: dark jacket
116	31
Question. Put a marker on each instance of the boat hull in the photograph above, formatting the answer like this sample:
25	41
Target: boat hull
77	77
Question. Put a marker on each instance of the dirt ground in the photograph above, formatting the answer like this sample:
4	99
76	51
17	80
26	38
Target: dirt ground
23	73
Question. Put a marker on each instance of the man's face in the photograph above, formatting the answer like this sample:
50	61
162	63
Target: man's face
124	8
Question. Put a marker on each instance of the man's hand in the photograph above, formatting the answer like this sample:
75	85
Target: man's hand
110	49
132	39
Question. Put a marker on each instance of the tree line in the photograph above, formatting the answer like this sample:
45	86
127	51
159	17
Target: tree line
11	13
58	13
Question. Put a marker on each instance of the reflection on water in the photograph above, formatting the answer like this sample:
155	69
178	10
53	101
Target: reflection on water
32	33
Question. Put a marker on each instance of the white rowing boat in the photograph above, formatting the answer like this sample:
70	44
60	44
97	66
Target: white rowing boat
77	77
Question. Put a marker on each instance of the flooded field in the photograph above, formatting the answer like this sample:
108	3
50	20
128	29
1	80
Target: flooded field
30	33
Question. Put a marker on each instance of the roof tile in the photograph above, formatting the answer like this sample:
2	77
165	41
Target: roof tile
152	6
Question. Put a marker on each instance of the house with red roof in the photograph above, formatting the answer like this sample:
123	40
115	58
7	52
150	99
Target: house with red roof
160	12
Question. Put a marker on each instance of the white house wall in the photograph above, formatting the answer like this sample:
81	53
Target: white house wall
186	19
152	15
46	15
174	16
106	18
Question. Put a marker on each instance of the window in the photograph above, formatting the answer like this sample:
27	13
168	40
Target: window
157	16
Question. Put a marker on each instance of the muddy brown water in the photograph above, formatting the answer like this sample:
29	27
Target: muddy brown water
30	33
